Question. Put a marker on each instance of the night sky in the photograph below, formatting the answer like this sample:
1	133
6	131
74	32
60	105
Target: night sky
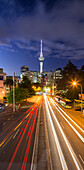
23	23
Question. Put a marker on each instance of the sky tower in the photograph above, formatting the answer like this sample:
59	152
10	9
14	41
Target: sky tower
41	58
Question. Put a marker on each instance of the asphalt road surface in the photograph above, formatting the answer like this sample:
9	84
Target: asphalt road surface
17	138
65	138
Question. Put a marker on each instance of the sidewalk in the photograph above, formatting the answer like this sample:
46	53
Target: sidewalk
77	116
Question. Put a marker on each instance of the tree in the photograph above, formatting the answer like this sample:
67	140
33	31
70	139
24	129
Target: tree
9	83
70	72
81	77
26	83
20	94
72	93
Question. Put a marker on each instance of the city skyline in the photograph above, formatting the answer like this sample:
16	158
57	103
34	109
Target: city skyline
60	24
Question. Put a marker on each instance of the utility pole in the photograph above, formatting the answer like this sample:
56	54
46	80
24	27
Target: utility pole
81	100
13	92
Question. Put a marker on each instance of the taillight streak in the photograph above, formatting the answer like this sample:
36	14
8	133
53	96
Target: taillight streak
20	140
24	146
17	120
2	142
29	142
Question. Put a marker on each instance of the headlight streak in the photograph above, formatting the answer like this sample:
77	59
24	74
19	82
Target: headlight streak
69	117
78	134
20	141
66	141
61	156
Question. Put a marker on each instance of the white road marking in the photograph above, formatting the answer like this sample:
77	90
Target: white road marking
16	133
4	123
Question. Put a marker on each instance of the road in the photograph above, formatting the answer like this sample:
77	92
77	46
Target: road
62	137
17	138
65	138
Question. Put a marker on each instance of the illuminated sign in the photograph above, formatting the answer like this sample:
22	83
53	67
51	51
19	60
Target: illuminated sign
82	96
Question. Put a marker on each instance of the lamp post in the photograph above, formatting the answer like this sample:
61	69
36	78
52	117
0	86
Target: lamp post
75	83
81	99
13	92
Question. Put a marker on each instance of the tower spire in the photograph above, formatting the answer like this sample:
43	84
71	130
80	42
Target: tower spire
41	45
41	53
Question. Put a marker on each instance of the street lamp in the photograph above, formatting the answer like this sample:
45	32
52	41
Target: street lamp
75	83
13	92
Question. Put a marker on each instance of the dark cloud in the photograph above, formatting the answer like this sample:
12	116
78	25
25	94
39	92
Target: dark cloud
16	8
59	23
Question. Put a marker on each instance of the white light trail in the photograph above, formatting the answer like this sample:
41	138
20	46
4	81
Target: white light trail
69	117
78	134
61	156
66	141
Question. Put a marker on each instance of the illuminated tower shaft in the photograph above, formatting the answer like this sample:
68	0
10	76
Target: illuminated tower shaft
41	58
41	66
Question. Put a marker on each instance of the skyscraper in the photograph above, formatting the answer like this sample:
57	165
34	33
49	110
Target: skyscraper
41	58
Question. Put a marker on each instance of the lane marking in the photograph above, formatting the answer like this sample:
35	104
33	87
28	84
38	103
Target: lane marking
81	159
18	118
78	134
4	123
27	116
7	141
8	118
14	154
76	161
2	143
18	125
69	117
60	153
16	133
